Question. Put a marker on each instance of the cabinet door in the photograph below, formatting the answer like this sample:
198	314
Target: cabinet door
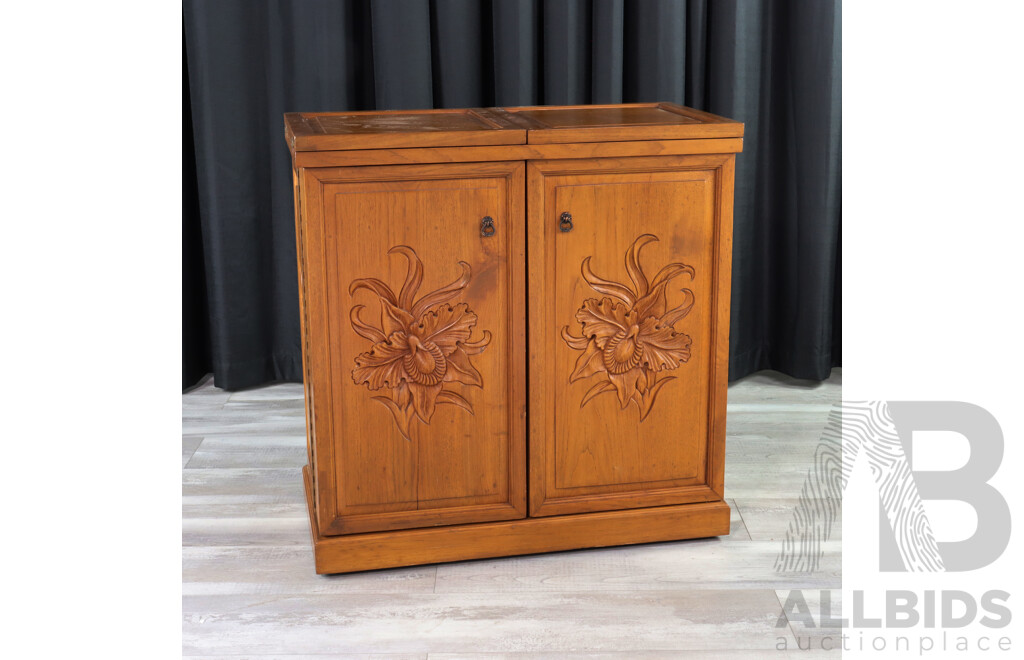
415	320
629	264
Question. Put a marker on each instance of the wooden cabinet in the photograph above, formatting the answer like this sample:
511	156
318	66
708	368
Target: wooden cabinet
515	328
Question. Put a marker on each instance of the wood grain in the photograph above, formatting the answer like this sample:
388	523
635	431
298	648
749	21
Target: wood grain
616	123
360	552
484	623
697	564
358	157
449	466
601	455
325	131
333	131
411	244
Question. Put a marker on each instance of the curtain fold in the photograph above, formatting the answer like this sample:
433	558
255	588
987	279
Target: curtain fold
773	65
195	331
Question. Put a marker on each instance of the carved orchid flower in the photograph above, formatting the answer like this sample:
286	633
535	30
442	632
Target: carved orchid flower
421	344
628	336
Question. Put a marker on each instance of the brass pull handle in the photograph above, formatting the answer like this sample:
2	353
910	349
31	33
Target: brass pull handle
487	227
565	222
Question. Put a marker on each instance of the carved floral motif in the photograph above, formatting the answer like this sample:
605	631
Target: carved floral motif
421	346
628	337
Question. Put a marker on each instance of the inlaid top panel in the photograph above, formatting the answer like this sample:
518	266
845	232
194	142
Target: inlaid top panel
335	131
324	131
604	117
612	123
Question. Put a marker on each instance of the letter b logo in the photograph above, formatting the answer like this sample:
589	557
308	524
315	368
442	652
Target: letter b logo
967	484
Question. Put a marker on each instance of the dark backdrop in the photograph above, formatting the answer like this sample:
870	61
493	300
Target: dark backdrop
774	65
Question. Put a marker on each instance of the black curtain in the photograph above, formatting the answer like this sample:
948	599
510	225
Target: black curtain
775	65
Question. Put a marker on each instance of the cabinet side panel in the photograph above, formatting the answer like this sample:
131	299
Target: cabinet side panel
316	348
300	258
720	329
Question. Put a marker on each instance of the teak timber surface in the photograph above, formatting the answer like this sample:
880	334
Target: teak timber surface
626	339
455	263
555	151
616	123
335	131
419	344
364	552
379	130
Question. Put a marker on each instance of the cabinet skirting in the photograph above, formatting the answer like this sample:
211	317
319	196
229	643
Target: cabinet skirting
431	545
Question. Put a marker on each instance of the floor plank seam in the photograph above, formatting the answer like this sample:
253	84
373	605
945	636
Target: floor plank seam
739	512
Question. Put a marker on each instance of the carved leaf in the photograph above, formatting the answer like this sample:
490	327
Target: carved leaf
648	401
447	396
654	303
598	388
401	417
402	396
462	370
579	343
382	290
472	348
633	269
393	319
606	287
678	313
589	363
424	399
671	272
363	329
413	278
645	380
443	294
626	385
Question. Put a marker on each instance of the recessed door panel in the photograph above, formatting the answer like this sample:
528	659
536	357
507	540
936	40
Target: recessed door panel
418	357
623	340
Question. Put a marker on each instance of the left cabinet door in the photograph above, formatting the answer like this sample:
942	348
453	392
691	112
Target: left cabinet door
413	296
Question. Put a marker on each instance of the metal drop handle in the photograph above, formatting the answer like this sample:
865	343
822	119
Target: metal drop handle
487	227
565	222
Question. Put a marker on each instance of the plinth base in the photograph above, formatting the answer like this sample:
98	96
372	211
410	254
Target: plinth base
410	547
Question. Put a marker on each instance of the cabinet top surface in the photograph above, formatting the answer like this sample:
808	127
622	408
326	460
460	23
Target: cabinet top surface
329	131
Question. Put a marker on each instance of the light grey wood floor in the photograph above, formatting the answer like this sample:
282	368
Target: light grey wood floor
249	589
